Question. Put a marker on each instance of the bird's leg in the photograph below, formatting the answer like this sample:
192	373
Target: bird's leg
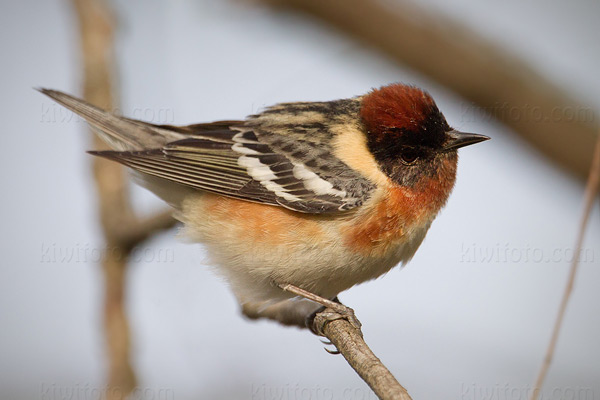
336	309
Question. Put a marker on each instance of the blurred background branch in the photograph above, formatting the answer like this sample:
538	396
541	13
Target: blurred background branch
121	228
481	72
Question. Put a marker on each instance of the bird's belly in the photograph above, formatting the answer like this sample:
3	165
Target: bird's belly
257	247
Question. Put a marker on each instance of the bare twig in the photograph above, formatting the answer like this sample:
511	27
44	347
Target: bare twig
350	343
121	228
343	331
590	194
474	68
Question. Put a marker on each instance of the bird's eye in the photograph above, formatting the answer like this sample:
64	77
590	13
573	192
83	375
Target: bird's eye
409	156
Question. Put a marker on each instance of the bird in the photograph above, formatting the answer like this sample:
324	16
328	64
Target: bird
301	199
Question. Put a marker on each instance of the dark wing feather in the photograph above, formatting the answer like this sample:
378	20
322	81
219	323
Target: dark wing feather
231	163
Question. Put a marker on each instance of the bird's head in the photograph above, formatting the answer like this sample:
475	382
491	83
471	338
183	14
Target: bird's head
409	136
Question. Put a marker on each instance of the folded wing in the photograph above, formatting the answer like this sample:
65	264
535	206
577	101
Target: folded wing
225	157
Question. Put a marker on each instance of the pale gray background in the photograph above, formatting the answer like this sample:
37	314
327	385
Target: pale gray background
454	324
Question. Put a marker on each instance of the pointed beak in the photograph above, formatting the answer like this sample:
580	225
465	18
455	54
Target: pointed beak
458	139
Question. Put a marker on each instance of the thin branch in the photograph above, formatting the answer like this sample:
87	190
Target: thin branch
480	71
122	229
591	191
139	230
338	323
350	343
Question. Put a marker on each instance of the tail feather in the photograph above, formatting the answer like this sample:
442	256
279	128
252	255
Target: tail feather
122	134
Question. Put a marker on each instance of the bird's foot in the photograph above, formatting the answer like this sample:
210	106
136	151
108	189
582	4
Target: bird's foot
332	310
